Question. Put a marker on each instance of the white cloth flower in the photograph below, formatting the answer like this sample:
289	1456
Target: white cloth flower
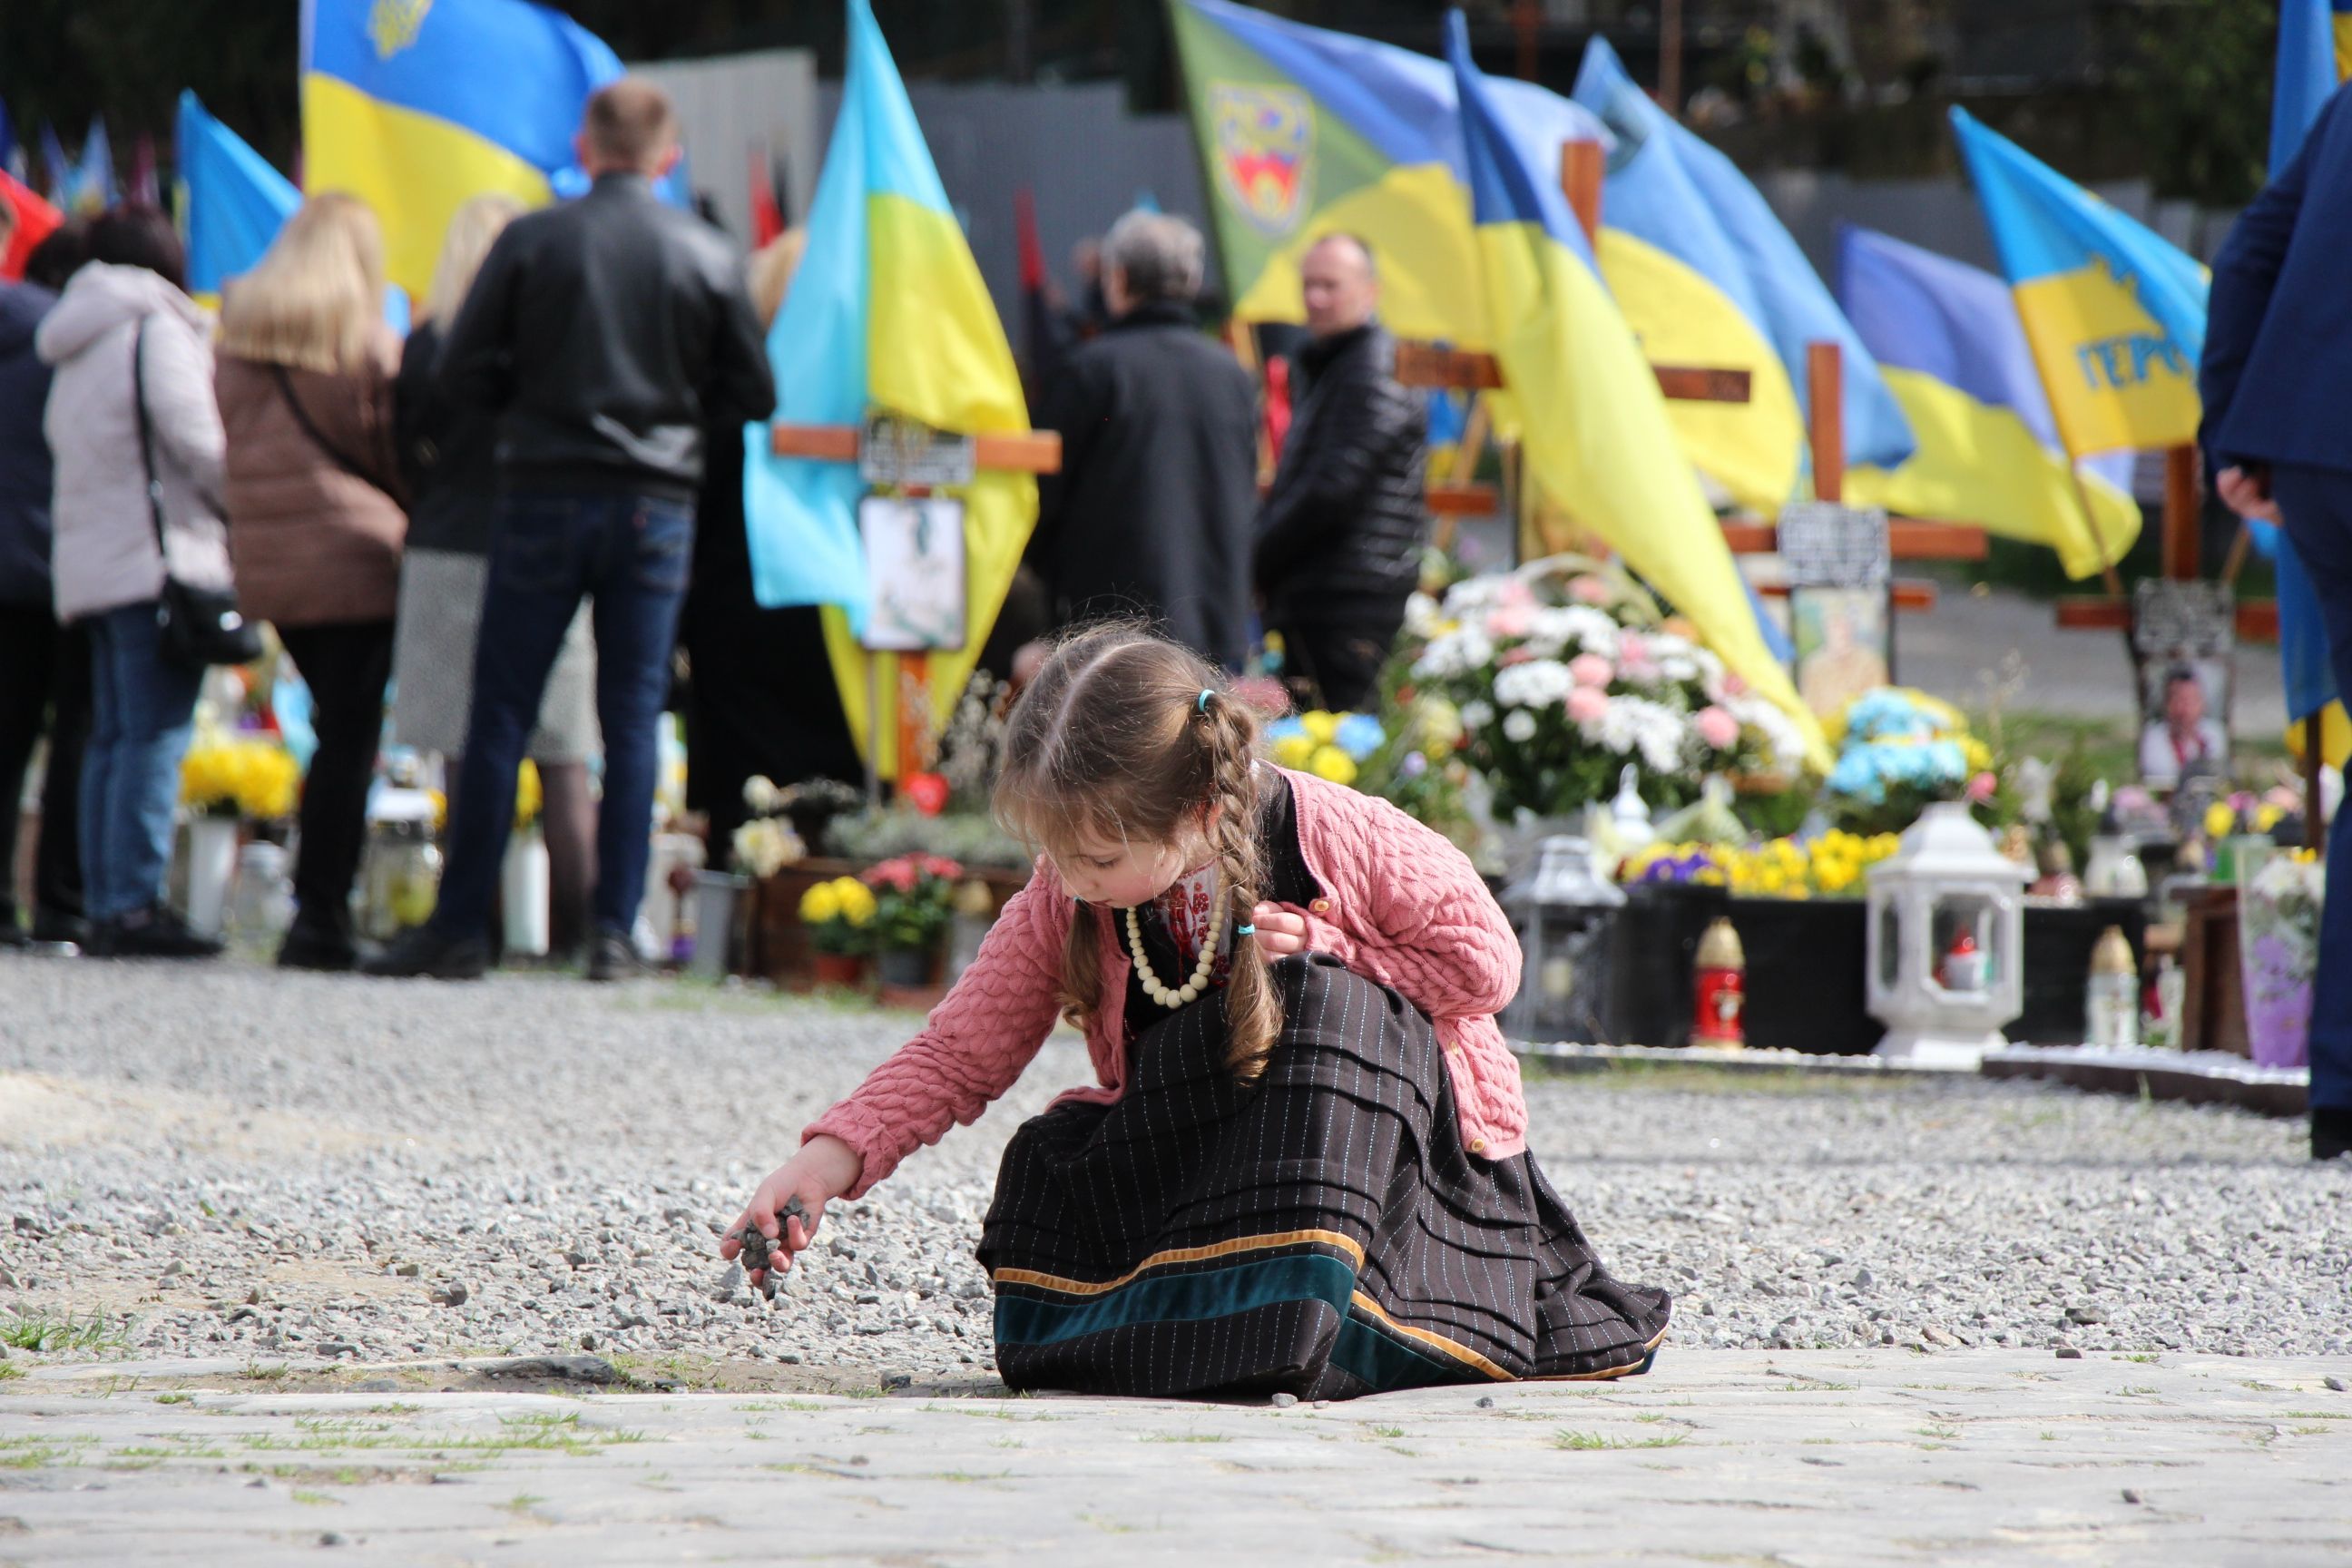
1538	683
1478	714
1422	616
1519	726
1463	651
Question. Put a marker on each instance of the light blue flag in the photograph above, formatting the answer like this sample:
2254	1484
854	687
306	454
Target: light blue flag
232	203
1682	199
802	514
94	185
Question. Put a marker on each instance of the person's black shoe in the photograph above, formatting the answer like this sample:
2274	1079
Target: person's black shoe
2331	1132
611	957
423	953
55	927
157	931
12	935
307	947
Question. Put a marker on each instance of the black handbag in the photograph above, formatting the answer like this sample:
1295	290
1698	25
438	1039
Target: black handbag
200	626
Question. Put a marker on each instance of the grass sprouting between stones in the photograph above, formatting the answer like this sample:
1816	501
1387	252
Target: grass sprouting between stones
47	1332
1583	1441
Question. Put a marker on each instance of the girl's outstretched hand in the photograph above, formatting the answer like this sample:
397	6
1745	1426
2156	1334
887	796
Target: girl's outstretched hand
1281	931
821	1171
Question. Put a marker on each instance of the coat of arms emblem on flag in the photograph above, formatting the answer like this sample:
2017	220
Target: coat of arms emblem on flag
1264	141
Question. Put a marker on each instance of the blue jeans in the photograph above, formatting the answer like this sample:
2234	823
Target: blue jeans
142	710
629	554
2316	506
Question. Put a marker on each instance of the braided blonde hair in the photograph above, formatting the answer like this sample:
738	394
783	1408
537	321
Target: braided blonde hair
1112	740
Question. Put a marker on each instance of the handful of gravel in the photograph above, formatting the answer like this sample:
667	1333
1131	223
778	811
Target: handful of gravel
758	1250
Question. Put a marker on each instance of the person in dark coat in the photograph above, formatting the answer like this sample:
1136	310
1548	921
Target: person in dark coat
1150	514
1340	534
44	668
2276	374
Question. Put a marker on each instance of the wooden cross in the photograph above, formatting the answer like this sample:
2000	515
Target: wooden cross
1017	452
1453	496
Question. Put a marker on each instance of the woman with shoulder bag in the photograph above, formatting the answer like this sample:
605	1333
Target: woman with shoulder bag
137	442
317	521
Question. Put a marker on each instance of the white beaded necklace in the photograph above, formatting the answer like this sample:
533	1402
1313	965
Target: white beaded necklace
1191	990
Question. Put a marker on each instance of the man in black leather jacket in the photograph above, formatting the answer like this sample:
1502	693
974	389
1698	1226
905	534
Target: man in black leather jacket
1340	533
603	335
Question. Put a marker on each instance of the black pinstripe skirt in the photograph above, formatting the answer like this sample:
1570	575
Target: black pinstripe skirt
1323	1233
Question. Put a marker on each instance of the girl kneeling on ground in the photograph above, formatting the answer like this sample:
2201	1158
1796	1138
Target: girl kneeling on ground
1305	1168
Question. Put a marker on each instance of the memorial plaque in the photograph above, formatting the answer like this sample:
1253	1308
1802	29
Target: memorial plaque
901	452
1827	545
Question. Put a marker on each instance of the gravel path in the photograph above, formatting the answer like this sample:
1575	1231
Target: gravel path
236	1163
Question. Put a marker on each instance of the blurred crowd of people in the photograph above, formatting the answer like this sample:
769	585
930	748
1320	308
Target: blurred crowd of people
523	528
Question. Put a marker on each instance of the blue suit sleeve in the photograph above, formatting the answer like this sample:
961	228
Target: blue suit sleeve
2245	273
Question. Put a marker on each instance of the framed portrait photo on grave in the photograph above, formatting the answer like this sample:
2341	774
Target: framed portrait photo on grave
915	562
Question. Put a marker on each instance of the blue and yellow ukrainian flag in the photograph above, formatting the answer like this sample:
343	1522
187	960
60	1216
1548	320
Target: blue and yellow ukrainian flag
417	105
1594	429
2116	315
1707	275
1946	334
2315	56
887	314
1304	132
231	202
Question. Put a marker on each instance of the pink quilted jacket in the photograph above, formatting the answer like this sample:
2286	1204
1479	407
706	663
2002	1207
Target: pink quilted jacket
1401	906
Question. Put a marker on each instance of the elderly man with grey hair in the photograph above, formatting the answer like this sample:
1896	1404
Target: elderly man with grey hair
1152	513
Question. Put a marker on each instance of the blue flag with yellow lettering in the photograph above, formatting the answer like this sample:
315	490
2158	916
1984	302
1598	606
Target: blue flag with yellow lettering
2115	313
1947	336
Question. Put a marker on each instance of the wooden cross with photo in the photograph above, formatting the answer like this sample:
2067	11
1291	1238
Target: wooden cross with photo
914	544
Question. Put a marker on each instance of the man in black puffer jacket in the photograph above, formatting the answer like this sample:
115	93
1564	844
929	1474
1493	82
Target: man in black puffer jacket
1340	534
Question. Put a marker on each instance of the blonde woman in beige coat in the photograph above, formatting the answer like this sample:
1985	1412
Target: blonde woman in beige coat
316	521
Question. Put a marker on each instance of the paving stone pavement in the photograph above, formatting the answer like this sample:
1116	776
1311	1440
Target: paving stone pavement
1864	1457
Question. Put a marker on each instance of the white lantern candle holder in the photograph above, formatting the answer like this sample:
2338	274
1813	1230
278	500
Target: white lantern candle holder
1948	879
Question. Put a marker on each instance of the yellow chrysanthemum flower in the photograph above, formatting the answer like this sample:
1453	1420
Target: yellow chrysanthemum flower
1323	727
820	903
1295	752
1331	763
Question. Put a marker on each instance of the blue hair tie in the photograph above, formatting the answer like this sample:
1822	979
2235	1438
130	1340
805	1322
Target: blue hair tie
1203	706
1245	930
